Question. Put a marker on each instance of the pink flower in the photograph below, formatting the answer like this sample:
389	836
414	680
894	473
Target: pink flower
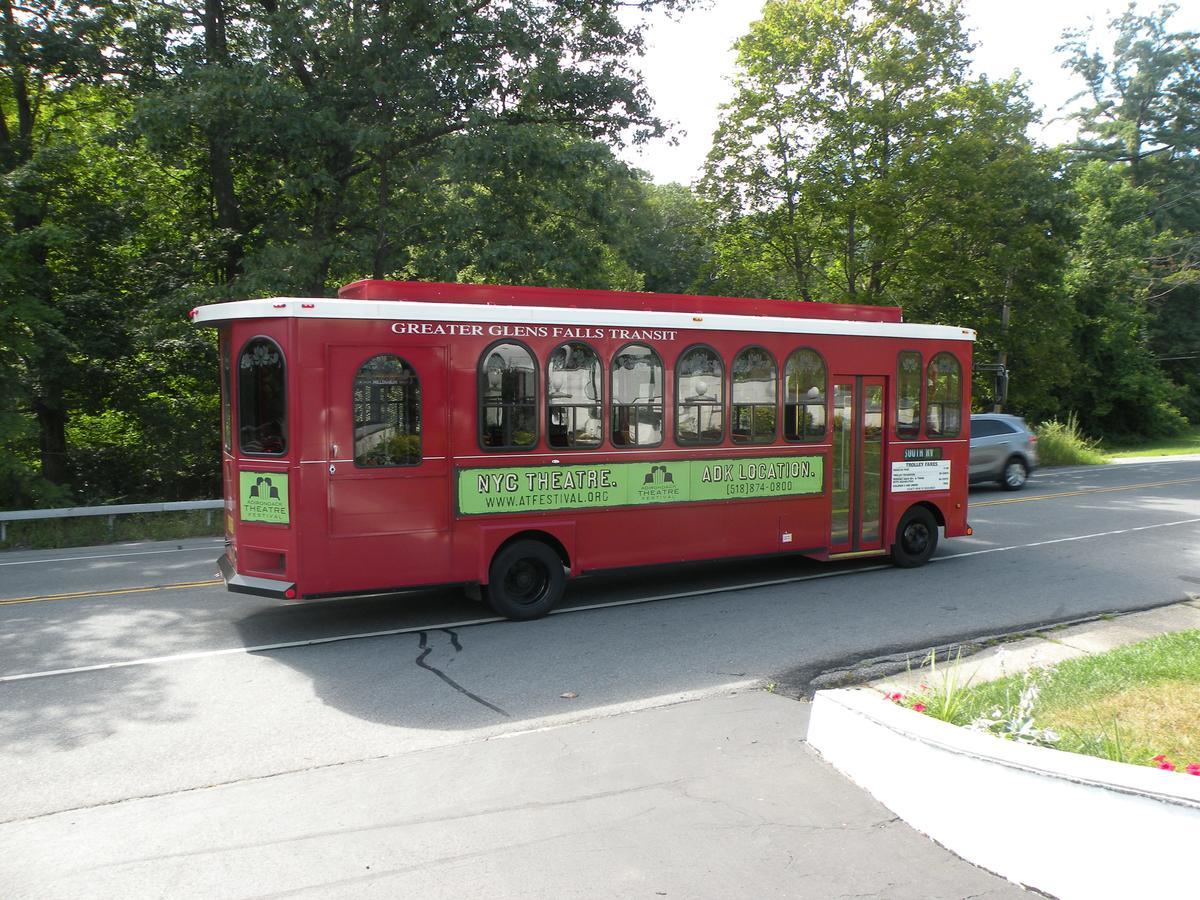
1160	758
895	698
1193	769
920	707
1169	766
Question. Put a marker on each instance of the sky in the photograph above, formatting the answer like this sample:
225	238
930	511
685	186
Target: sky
688	64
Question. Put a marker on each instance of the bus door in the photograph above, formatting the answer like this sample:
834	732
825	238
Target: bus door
856	519
388	501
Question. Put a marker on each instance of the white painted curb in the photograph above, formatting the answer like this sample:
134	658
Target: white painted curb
1072	826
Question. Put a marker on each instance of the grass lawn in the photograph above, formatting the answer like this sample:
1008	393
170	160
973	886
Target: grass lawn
1131	704
1188	442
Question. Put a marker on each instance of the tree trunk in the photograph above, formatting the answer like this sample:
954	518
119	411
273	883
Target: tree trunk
52	436
220	167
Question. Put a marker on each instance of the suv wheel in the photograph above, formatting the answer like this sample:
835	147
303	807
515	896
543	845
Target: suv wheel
1016	473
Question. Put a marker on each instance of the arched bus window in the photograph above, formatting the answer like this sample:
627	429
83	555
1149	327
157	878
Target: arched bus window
943	395
226	396
755	383
699	397
637	397
573	416
507	398
908	394
262	398
387	413
804	390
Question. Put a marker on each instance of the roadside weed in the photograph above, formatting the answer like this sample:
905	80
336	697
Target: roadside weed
1014	721
1063	444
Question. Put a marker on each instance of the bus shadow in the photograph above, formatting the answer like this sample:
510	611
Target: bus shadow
442	675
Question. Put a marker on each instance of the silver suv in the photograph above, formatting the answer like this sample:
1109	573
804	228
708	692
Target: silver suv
1003	449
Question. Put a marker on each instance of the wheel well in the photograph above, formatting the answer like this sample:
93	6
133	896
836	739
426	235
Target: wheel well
932	507
542	537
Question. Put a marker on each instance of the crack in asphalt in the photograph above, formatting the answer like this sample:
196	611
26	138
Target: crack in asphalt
426	649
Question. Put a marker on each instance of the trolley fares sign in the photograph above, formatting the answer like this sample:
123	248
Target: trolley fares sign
263	497
527	488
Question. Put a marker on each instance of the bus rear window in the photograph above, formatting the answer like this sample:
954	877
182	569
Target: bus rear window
943	391
262	398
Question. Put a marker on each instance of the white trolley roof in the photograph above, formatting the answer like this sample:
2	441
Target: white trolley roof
421	311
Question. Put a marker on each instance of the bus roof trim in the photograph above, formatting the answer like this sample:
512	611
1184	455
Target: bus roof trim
399	311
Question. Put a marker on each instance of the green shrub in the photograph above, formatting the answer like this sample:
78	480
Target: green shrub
1063	444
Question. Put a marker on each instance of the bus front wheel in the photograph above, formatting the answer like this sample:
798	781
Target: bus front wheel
916	538
525	581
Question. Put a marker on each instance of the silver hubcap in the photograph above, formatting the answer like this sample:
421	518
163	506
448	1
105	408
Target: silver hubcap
1014	474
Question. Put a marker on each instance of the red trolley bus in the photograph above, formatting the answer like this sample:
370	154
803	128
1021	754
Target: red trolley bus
407	434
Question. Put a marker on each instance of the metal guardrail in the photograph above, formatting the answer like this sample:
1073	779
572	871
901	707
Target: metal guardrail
120	509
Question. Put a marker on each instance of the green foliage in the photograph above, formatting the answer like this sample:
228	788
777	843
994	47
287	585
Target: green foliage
1119	388
1077	697
1063	444
858	163
154	159
944	692
1188	442
1140	131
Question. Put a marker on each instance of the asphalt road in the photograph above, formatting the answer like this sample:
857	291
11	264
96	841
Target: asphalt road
124	672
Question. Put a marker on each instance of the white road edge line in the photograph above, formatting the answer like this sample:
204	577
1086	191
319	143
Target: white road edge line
1078	537
312	642
31	562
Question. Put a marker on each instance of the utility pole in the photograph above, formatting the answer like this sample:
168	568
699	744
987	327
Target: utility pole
1002	362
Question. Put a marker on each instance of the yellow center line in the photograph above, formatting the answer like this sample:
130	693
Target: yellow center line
1108	490
76	595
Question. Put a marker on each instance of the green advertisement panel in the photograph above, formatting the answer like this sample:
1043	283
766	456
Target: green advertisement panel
525	488
264	497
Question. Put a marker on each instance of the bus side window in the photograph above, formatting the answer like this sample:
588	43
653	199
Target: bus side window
908	394
262	398
637	397
573	402
700	397
943	393
387	413
804	390
755	383
507	398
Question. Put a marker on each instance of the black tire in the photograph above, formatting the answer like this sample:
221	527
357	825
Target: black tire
916	538
525	580
1016	473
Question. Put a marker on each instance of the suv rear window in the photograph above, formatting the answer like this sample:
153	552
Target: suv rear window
990	428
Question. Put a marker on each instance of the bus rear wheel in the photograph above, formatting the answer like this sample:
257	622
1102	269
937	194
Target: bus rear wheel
525	580
916	538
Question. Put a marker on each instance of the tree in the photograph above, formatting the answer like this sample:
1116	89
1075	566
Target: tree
824	150
858	163
1118	389
669	239
159	155
52	79
517	205
1142	118
343	101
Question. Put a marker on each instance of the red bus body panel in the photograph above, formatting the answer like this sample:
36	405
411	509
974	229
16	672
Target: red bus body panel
354	530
